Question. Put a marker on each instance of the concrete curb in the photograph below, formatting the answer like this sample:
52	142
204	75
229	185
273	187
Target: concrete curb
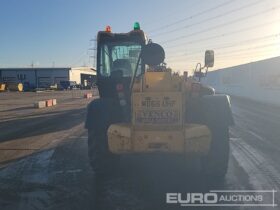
88	95
45	103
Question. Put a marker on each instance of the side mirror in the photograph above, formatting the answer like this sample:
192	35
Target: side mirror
152	54
209	58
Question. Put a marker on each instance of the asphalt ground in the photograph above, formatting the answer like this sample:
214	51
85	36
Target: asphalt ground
44	163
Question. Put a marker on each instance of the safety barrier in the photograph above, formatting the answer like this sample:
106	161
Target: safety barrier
88	95
45	103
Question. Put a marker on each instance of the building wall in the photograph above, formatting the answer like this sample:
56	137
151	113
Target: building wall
44	77
18	75
258	80
41	77
75	74
50	77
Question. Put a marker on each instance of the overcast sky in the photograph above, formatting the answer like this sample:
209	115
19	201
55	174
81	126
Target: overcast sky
58	32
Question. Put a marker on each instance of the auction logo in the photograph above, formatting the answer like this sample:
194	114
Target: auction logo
253	198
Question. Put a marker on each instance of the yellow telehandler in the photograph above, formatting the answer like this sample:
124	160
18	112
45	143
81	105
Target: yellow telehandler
144	108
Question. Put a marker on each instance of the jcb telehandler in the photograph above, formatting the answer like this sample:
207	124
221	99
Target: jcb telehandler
145	108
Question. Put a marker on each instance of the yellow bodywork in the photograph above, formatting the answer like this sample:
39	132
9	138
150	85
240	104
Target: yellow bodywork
193	139
158	113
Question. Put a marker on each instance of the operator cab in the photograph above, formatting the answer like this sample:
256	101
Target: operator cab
117	56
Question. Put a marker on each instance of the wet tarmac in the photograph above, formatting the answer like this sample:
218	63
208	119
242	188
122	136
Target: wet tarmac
48	168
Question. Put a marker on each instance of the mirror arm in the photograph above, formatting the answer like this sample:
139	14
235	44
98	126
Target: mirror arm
134	73
198	65
206	71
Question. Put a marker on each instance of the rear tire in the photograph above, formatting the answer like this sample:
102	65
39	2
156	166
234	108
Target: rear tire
101	113
215	164
102	161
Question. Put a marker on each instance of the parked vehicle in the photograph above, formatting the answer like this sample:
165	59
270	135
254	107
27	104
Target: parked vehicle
68	85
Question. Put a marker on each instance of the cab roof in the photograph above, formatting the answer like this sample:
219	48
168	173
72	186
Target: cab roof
137	36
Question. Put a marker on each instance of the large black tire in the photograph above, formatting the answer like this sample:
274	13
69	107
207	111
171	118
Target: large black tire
215	112
100	115
215	164
102	161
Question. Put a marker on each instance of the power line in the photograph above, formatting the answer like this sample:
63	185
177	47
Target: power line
228	34
227	46
92	52
249	49
272	36
228	54
211	18
193	16
79	58
221	25
248	56
261	52
170	14
242	58
250	40
245	51
239	50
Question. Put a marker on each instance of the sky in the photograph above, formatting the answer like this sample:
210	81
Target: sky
58	32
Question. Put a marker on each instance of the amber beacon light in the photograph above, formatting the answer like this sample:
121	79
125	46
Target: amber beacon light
108	29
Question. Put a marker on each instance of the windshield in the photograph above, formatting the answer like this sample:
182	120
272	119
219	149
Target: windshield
119	57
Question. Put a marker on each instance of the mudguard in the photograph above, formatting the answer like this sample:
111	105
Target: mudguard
101	113
217	109
210	110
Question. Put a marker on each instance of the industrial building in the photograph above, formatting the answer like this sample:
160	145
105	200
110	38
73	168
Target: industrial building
45	77
259	80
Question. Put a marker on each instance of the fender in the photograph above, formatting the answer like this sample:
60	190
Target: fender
210	110
217	109
101	113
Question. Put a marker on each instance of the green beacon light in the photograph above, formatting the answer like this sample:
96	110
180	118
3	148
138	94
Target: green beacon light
136	26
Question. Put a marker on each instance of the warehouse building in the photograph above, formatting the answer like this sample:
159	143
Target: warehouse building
46	77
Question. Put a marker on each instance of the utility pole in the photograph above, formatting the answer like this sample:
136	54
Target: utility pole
92	52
